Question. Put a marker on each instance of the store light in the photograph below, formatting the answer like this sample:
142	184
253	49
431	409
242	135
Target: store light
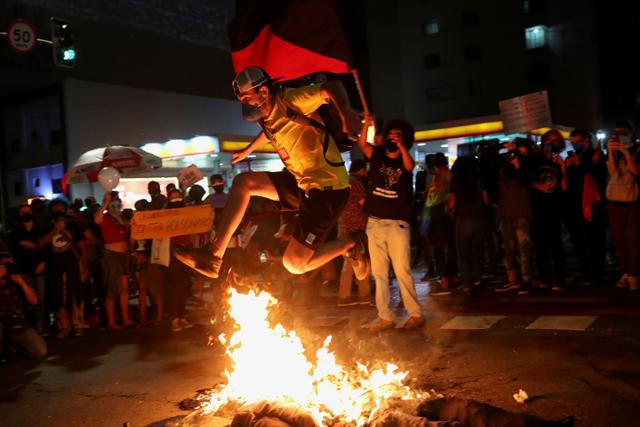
444	146
153	148
601	135
202	144
176	147
459	131
233	146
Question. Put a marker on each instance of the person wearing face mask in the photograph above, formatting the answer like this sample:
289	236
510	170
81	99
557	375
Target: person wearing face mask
514	208
218	198
585	208
623	194
158	200
67	293
15	293
546	195
115	260
179	276
30	260
315	183
388	206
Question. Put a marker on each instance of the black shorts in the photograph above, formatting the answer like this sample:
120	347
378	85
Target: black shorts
318	210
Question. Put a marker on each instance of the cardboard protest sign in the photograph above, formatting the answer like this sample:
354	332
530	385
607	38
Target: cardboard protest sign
171	222
189	176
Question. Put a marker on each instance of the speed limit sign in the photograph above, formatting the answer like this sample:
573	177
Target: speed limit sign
21	36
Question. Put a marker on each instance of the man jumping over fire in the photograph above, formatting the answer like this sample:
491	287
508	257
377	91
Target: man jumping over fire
315	182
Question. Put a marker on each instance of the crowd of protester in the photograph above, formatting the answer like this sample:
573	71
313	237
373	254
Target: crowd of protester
524	199
69	266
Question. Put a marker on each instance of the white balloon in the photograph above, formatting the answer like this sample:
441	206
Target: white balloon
108	178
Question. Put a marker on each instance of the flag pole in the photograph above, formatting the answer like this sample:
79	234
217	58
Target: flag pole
363	100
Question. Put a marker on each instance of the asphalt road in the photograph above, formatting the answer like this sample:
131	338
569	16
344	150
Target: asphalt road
574	354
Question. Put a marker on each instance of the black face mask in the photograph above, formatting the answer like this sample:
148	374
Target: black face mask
251	113
218	188
10	270
579	148
26	217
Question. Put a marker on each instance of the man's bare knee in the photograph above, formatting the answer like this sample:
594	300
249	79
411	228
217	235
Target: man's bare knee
245	182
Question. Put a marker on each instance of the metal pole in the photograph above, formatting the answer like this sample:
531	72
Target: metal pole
363	100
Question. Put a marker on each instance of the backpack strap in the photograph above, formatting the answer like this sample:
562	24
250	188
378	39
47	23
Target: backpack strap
304	120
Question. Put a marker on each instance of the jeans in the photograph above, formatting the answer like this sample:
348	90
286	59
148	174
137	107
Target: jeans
516	239
442	239
28	342
470	234
389	240
625	234
346	281
547	239
179	288
39	284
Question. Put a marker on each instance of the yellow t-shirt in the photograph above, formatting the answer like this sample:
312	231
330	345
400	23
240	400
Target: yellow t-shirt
300	146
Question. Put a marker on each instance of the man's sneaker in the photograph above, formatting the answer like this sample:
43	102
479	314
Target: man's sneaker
185	323
360	255
557	288
440	292
365	300
543	285
199	259
413	323
429	275
524	288
347	301
633	283
176	325
623	282
381	325
511	286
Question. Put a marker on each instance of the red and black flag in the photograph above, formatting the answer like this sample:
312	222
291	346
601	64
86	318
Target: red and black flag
288	38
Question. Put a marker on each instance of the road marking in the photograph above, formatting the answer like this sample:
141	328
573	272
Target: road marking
472	322
566	323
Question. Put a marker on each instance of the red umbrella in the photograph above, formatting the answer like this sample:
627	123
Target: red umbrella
128	160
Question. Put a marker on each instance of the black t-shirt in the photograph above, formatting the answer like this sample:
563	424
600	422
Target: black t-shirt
389	187
469	201
547	203
26	259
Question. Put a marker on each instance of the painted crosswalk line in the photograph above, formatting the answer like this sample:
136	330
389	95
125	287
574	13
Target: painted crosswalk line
472	322
565	323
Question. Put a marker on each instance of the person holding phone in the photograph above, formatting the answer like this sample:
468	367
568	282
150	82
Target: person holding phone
622	205
546	195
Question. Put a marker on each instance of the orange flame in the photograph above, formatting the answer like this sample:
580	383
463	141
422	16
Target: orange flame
269	363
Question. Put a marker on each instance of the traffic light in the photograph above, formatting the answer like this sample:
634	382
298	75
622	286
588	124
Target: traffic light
64	51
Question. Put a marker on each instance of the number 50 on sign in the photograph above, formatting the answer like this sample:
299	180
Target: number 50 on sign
21	36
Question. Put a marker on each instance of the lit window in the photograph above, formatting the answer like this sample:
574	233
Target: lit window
431	27
536	37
